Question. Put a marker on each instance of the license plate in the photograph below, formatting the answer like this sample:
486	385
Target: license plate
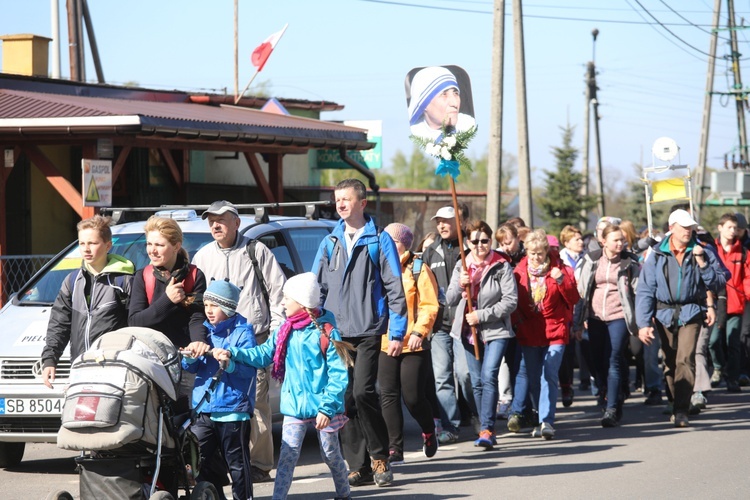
30	406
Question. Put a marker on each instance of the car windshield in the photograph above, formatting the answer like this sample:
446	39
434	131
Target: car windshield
45	287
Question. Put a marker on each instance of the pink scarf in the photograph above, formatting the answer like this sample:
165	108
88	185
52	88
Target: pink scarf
477	270
299	320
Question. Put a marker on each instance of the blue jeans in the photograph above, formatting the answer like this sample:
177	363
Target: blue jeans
608	341
484	378
653	374
538	378
444	348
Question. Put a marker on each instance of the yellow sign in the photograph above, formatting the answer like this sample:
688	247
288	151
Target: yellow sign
97	183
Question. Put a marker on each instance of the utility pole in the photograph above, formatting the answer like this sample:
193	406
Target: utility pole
585	155
592	88
739	95
92	41
495	154
73	13
706	122
236	50
524	164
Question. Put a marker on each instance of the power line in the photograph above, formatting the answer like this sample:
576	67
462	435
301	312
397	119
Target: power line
670	31
533	16
690	22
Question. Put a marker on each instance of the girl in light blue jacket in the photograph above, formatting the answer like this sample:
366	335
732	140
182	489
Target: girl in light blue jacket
310	360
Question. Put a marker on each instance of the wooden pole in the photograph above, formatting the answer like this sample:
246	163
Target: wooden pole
469	305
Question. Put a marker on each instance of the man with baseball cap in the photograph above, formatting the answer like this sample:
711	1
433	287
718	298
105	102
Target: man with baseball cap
441	257
228	258
671	299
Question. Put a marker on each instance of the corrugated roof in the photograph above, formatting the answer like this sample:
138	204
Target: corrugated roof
178	117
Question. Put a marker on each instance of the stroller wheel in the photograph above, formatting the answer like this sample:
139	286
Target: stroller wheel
204	491
162	495
59	495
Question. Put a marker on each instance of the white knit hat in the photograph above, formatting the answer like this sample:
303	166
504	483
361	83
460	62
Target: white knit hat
303	289
426	84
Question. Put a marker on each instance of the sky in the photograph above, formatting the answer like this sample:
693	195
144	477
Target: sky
651	58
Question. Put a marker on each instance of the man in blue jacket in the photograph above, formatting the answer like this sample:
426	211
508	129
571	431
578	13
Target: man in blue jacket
671	299
359	271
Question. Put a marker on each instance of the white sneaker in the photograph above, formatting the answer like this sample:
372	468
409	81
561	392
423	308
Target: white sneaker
548	432
537	432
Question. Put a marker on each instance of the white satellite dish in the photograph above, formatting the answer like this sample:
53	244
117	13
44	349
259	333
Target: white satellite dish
665	149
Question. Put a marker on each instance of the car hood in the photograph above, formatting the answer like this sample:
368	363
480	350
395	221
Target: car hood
24	330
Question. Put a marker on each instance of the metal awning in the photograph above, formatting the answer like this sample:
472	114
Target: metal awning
29	115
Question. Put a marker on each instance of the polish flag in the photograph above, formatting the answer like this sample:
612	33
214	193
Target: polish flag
263	51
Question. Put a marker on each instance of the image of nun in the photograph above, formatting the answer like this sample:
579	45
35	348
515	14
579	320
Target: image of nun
436	101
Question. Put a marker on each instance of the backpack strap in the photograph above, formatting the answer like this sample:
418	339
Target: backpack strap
325	340
72	277
149	281
250	248
190	279
373	248
416	267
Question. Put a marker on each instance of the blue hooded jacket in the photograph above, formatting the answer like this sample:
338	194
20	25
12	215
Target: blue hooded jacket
666	288
313	383
236	389
366	299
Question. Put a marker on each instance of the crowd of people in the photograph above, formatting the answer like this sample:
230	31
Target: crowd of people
461	332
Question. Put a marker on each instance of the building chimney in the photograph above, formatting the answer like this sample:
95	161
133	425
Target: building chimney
25	54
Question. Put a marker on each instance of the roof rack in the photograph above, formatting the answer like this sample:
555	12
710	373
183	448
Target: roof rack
260	209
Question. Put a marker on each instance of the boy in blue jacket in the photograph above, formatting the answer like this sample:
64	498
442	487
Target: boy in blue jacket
223	417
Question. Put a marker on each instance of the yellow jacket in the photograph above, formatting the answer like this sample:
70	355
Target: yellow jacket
421	302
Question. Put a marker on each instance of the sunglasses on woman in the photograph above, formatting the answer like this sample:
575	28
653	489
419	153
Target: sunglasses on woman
483	241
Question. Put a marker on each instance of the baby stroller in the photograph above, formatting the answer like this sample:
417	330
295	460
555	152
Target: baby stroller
120	411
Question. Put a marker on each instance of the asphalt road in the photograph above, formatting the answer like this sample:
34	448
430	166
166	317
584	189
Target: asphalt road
643	458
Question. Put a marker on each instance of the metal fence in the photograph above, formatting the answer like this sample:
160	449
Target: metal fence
16	270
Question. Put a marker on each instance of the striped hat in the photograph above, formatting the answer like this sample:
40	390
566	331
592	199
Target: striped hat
223	293
426	84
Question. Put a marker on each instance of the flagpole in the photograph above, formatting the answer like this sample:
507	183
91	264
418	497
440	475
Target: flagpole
469	305
237	99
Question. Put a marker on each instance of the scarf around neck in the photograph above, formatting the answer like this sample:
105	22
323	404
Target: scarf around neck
537	284
295	322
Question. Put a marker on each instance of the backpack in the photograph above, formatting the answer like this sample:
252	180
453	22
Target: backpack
150	280
325	340
373	248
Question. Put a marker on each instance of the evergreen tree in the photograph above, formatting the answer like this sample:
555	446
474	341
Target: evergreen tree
562	203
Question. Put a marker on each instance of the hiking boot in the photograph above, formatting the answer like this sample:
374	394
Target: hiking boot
653	398
360	477
396	457
515	422
733	386
548	432
430	445
486	440
381	473
680	420
260	475
716	378
610	418
567	396
447	437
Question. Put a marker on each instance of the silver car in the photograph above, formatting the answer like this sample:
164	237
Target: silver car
29	411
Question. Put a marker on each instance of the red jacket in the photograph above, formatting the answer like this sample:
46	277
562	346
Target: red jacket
738	286
549	324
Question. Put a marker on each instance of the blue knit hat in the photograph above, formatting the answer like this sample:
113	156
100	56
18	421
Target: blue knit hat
223	293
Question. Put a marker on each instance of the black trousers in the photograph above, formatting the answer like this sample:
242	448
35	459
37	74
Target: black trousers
232	440
365	436
407	376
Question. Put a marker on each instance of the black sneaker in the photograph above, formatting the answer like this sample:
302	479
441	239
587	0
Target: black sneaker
430	445
733	386
259	475
567	396
396	457
360	477
653	398
610	418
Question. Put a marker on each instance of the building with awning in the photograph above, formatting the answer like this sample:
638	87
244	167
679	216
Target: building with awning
166	147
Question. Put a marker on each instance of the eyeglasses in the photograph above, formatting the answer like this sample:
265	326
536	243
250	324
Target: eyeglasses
483	241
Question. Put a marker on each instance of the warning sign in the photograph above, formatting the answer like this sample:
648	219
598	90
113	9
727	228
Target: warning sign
97	183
